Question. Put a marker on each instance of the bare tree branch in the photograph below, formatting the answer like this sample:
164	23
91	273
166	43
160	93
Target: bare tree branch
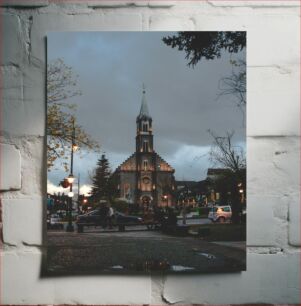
225	154
235	84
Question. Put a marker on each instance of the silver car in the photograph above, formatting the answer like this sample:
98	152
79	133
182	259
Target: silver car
55	222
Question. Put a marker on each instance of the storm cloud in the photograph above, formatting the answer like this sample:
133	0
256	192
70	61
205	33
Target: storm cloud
112	66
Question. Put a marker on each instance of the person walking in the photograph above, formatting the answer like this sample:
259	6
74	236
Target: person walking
103	212
110	215
184	214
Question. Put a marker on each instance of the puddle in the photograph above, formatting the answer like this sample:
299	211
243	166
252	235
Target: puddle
208	256
180	268
117	267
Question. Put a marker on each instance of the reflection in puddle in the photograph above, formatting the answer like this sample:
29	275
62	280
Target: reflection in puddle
208	256
117	267
180	268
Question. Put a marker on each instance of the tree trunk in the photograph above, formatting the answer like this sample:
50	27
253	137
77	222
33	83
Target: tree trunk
236	206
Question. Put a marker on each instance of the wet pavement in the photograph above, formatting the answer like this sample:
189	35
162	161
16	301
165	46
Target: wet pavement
98	251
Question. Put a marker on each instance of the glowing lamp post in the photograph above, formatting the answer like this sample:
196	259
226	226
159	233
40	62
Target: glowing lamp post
165	199
70	179
241	191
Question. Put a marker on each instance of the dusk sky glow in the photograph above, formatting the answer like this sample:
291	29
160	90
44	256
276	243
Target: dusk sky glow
183	101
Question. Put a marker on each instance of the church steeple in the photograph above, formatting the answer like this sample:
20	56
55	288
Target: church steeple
144	138
144	108
142	174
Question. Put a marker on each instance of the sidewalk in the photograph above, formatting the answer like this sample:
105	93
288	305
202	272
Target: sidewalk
233	244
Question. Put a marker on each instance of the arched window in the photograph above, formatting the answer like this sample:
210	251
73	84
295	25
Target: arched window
145	165
145	146
144	127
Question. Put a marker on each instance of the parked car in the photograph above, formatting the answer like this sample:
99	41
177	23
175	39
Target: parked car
220	213
55	222
96	218
121	218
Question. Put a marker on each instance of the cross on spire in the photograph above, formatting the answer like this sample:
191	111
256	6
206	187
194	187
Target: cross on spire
144	108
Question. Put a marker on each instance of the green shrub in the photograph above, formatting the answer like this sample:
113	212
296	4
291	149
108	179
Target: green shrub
120	206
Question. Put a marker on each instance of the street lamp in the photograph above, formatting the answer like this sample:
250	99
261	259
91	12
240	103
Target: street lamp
70	179
70	227
165	199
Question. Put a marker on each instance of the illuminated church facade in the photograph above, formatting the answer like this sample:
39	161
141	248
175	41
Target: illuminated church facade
145	177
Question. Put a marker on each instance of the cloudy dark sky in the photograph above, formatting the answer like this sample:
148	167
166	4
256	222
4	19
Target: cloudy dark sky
182	101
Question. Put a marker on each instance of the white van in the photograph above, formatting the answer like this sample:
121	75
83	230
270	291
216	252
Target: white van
220	213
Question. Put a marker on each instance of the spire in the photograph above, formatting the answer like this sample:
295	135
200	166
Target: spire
144	108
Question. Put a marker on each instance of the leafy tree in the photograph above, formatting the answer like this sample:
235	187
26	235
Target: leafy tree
62	85
208	45
119	205
113	187
102	183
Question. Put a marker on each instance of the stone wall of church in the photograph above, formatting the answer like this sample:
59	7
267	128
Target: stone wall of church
129	164
149	161
127	185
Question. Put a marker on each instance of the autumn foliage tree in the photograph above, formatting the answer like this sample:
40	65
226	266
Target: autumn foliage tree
61	114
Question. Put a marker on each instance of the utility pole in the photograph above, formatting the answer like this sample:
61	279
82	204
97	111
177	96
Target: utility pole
78	198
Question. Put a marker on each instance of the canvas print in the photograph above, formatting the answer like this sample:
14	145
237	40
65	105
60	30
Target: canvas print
146	152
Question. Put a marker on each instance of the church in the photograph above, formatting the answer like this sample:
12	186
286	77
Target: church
145	178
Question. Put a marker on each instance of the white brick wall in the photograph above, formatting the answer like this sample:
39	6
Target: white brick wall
10	167
273	122
23	284
21	214
270	277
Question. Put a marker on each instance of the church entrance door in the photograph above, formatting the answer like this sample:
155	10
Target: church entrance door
146	201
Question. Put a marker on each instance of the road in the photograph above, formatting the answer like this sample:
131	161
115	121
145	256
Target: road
196	221
133	251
